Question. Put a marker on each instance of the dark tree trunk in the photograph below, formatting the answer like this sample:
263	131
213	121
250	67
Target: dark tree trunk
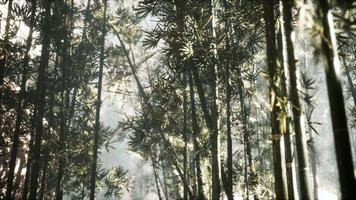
274	70
288	138
98	105
28	167
306	191
156	178
164	173
193	175
246	137
296	106
290	169
211	119
40	102
174	159
195	126
229	177
229	173
61	154
20	106
44	177
65	96
215	136
180	5
336	101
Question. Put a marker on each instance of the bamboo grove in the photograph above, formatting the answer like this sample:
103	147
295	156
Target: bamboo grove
225	97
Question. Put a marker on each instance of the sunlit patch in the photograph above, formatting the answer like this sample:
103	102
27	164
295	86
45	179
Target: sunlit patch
326	195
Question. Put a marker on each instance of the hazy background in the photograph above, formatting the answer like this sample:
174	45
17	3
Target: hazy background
116	105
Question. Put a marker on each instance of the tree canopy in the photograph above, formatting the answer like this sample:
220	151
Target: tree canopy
218	99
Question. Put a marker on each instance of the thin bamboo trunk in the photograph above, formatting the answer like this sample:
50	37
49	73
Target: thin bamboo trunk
290	165
164	173
306	191
31	143
28	167
174	161
211	118
229	163
44	177
40	102
61	154
289	147
246	137
229	177
64	98
180	6
195	126
246	179
156	178
98	105
278	123
215	135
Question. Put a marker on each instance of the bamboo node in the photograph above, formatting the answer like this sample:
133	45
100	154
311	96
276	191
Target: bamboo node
276	137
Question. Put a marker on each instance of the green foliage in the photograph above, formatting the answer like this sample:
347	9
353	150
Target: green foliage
116	181
225	68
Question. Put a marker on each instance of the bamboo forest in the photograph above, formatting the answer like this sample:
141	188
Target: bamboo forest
178	99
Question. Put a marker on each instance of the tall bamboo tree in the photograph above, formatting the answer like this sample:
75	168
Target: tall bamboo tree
215	136
297	108
278	116
98	103
229	173
196	130
40	101
341	134
64	12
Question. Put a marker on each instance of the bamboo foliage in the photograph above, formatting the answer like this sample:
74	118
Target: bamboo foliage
205	97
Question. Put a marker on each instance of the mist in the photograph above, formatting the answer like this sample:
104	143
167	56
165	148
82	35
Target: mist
129	99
